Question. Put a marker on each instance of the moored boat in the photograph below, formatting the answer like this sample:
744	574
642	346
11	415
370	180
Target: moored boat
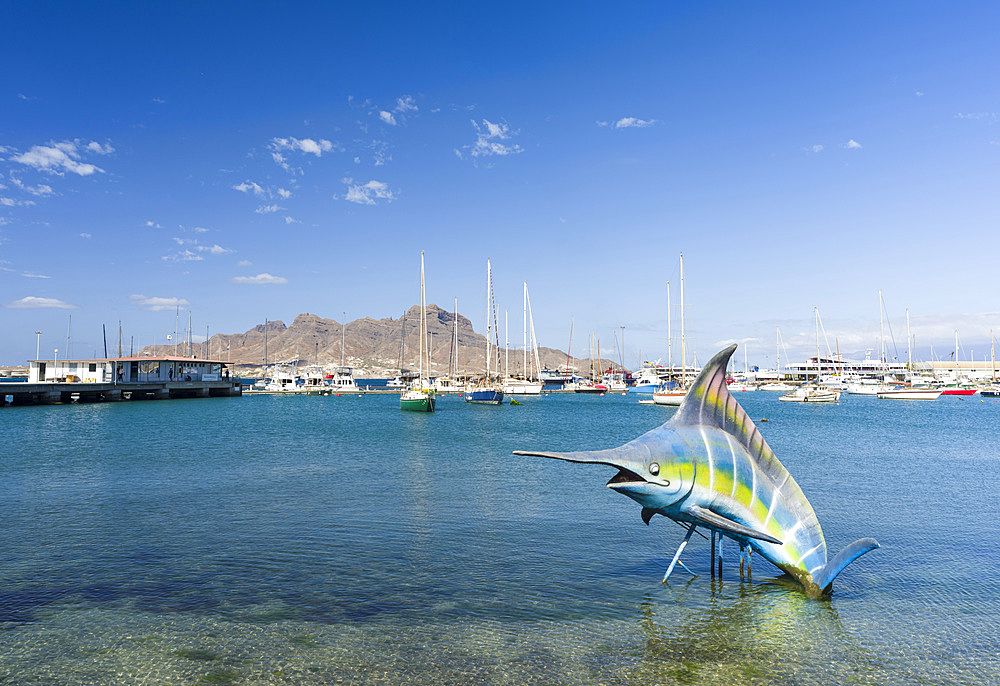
910	394
811	394
420	396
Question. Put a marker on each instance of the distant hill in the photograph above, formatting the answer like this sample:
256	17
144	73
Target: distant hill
371	345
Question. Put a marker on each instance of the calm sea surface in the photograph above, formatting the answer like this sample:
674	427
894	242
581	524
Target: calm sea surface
339	540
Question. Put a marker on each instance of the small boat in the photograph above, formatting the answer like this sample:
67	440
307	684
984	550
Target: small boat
673	397
811	393
777	386
420	396
910	394
484	396
488	391
991	392
586	387
522	387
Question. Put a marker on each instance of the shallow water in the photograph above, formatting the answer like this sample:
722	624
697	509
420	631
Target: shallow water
339	540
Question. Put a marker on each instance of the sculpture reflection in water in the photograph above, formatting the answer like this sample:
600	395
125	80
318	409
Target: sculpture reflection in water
709	467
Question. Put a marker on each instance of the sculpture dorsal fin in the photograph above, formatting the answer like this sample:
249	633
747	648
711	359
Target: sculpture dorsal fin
709	403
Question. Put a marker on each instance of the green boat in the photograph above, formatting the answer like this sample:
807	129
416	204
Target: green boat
420	397
416	400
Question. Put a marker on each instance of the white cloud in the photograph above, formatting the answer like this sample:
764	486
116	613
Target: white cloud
200	229
633	123
286	194
919	94
304	145
978	116
488	137
34	302
59	158
95	147
852	145
32	275
368	193
406	103
268	209
157	304
42	190
183	256
814	148
244	263
292	220
159	101
85	235
213	249
153	225
260	278
249	186
280	160
387	117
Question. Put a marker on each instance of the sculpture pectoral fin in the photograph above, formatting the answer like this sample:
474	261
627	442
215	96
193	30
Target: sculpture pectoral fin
720	523
647	514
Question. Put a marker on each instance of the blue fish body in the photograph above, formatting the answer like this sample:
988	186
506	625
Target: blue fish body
709	466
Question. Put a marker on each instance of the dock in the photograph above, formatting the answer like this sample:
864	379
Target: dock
49	393
120	378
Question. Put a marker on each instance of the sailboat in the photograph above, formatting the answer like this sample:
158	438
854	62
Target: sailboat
674	396
813	392
778	385
419	397
526	386
488	390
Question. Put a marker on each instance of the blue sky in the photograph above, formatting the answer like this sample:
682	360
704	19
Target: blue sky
260	160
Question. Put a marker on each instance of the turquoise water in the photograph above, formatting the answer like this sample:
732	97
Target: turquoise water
324	540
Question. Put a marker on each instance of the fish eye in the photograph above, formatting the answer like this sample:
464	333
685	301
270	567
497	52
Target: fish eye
654	468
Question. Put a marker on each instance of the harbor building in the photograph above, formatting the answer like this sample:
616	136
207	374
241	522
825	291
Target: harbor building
120	378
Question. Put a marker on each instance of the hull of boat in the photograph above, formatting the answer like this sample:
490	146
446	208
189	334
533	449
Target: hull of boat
803	399
670	398
910	394
523	388
484	397
414	404
990	394
959	391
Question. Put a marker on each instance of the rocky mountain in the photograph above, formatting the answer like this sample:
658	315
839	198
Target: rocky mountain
373	346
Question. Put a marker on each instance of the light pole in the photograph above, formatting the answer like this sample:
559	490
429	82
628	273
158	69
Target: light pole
38	342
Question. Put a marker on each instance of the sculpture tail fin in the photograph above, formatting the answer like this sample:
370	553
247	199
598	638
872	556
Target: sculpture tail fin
825	576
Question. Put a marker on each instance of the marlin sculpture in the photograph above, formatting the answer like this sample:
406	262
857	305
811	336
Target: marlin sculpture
709	466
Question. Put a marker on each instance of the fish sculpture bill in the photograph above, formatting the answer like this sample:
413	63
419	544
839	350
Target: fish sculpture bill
709	466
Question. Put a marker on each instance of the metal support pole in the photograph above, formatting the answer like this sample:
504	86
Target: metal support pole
711	562
677	556
721	539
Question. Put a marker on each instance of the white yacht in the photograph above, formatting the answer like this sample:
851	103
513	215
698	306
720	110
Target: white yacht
342	380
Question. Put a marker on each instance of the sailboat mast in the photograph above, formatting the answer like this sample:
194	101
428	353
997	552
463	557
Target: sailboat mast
423	321
524	369
993	358
777	348
670	342
534	341
816	313
683	342
909	344
489	285
454	356
506	349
